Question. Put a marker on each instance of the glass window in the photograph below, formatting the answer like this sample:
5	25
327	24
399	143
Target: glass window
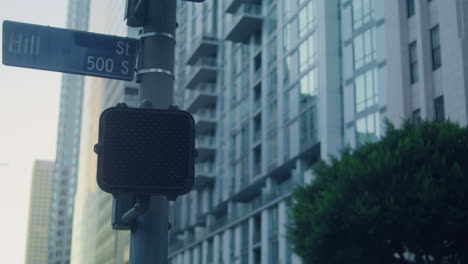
200	254
308	87
411	8
366	93
367	129
413	56
272	83
439	109
273	148
245	243
287	70
257	160
288	7
245	55
364	48
273	113
288	33
286	105
307	53
232	150
363	12
244	110
273	235
232	244
306	18
245	138
435	46
417	116
272	20
273	225
272	51
286	142
307	126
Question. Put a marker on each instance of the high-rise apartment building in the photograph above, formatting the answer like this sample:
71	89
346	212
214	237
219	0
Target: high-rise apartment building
94	240
40	206
68	144
275	85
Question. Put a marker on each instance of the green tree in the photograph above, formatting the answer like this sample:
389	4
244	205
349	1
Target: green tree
403	199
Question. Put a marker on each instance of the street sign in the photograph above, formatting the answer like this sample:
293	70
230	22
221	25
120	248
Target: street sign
146	151
69	51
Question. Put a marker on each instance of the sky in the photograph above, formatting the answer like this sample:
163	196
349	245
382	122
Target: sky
29	106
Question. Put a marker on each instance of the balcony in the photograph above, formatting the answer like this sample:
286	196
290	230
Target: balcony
205	121
204	70
204	46
204	174
246	21
251	189
204	95
206	146
233	5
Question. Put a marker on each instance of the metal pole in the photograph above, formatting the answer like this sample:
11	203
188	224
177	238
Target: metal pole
150	234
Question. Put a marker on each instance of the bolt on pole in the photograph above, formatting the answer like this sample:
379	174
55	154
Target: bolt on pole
150	234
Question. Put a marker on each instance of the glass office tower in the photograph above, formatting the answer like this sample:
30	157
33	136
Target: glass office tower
68	145
40	205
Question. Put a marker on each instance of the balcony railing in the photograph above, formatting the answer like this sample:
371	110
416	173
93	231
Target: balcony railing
233	5
204	45
249	9
203	70
206	168
205	115
238	213
203	95
205	141
246	20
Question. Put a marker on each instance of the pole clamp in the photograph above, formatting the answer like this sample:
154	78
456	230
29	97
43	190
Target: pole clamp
158	70
161	34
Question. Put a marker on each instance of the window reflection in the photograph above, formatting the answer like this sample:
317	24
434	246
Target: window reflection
367	129
308	87
366	90
363	12
364	48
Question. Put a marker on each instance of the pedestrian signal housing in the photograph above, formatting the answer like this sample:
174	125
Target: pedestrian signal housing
146	151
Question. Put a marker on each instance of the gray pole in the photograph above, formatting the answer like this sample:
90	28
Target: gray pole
149	236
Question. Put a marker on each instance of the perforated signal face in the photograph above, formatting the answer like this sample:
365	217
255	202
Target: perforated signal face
146	151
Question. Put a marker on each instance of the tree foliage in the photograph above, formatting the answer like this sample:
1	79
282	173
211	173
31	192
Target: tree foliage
403	199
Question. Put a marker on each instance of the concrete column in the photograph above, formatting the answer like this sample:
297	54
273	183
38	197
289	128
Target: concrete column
329	115
398	95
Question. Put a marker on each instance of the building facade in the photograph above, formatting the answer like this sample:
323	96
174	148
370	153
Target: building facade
40	206
274	86
263	81
94	240
68	146
427	59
